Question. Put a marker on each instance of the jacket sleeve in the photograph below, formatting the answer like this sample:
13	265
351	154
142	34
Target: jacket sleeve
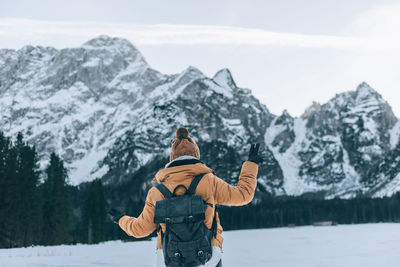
243	193
143	225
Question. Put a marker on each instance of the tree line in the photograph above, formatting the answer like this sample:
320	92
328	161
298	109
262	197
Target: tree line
41	208
290	211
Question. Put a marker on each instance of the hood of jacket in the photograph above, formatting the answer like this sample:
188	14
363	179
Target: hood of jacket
180	169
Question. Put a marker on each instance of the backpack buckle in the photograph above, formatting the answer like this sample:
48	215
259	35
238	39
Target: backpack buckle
202	256
177	255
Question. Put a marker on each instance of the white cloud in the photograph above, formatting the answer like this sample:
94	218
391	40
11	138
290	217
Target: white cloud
380	25
161	34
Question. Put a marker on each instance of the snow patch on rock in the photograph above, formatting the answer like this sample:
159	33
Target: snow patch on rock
395	135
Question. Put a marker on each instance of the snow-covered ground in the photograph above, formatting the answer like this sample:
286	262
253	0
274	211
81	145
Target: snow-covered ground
368	245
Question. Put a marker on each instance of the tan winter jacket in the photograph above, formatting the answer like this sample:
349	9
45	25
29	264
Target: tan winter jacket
213	189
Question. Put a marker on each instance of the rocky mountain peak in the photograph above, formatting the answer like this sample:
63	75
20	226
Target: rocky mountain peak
224	78
31	50
364	102
315	107
284	118
365	92
118	46
368	102
192	72
107	41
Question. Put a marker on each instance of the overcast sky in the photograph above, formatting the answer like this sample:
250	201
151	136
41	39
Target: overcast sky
289	53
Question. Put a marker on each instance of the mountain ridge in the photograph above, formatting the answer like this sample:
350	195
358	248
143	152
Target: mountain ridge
109	115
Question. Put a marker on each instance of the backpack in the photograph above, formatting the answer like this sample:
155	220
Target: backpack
187	240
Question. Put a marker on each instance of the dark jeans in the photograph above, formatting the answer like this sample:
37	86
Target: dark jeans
219	264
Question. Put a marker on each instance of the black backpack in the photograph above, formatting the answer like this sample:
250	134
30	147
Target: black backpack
186	241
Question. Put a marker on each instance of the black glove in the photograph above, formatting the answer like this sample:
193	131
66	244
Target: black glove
253	154
115	215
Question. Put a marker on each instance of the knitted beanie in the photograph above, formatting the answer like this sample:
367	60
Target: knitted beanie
184	145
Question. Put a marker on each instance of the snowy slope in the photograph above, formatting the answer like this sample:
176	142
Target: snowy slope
369	245
395	135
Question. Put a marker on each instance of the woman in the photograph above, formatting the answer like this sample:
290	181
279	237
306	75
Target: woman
183	166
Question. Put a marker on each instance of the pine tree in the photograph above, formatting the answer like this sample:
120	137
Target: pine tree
28	175
18	192
94	214
55	213
11	196
19	206
4	191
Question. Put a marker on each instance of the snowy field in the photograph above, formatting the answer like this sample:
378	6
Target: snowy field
368	245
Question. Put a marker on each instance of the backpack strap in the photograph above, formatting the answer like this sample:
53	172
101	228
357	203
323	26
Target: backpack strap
167	194
214	223
194	183
164	190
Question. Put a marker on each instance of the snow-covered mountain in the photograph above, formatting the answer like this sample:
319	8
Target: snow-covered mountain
110	115
339	147
75	101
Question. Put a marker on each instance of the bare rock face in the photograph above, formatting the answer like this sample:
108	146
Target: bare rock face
111	116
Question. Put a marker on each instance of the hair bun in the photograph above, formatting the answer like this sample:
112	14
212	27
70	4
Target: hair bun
182	132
